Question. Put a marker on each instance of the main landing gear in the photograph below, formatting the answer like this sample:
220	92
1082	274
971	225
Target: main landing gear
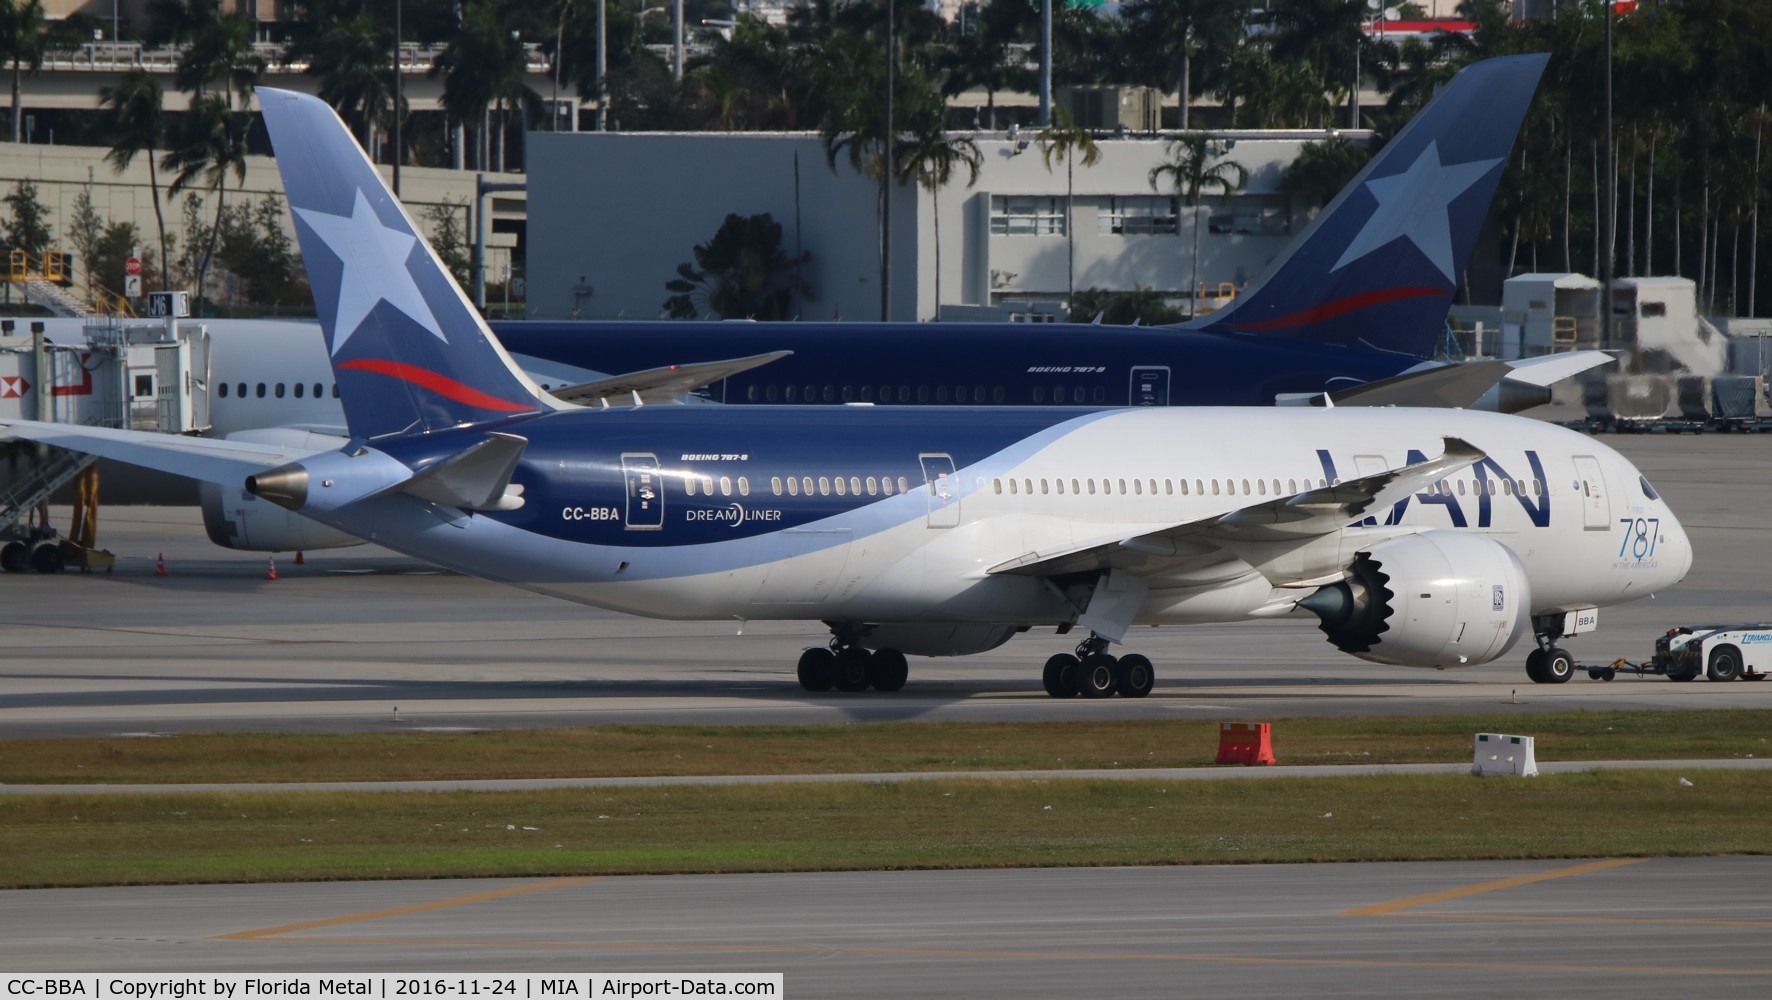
848	667
1093	672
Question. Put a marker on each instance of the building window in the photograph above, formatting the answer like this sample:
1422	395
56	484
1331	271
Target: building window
1021	215
1253	214
1138	215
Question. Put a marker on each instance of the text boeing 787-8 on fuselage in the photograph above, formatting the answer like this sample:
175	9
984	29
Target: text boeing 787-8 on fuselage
1416	537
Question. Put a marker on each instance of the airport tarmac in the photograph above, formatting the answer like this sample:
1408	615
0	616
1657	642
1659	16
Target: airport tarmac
342	642
1615	928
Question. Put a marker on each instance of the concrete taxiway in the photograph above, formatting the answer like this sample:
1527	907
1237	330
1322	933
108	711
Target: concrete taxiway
1615	928
344	641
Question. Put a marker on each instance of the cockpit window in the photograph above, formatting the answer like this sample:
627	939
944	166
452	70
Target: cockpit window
1648	491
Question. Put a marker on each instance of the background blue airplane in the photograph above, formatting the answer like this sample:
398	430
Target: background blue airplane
1361	296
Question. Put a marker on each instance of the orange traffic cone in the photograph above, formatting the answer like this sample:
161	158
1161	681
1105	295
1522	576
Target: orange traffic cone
299	561
271	568
159	564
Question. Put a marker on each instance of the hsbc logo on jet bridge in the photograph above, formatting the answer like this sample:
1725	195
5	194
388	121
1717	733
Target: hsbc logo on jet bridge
1537	509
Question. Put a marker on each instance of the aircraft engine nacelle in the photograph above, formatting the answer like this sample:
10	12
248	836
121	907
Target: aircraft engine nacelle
1439	598
235	519
939	640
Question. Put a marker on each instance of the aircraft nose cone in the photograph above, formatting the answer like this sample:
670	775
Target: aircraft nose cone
1679	561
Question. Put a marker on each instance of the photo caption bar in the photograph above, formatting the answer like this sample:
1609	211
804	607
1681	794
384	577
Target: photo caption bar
391	985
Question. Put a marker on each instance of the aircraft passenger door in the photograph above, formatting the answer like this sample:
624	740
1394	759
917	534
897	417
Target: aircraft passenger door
645	490
942	488
1596	510
1150	386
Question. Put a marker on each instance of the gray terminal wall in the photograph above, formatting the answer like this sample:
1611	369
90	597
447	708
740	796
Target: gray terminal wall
623	210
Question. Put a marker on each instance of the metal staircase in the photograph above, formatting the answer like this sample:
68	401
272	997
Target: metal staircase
55	298
43	474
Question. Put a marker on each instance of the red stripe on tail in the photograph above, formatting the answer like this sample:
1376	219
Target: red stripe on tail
439	384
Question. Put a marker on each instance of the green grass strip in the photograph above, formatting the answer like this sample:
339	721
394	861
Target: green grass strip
609	751
79	840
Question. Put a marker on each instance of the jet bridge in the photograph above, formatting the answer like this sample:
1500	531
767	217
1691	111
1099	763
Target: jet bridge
116	373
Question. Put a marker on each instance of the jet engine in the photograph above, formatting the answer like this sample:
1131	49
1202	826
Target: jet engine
235	519
938	640
1438	598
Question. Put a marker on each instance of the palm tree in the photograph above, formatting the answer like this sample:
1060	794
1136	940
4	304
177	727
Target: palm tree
1272	94
211	145
132	118
983	58
1326	34
1322	169
352	57
1172	35
217	48
746	82
1070	142
22	38
929	156
1194	167
482	67
741	273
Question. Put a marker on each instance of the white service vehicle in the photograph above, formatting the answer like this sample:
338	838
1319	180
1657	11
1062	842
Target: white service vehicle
1723	652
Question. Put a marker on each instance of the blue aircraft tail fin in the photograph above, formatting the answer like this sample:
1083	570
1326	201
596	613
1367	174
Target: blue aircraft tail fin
1379	265
409	351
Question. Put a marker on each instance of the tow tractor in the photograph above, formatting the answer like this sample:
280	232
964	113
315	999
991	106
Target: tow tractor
1721	652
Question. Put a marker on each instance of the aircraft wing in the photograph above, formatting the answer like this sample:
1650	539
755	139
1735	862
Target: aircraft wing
1464	383
1446	386
659	385
226	463
1553	368
1287	521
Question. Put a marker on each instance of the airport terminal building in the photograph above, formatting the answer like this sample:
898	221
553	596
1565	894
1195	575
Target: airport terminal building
623	210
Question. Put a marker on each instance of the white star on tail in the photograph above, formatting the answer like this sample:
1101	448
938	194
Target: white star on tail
375	270
1415	204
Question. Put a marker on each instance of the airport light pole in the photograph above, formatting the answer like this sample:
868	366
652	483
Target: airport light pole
1045	63
1611	199
886	153
397	67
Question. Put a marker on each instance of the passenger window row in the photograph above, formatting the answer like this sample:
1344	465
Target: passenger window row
958	394
707	486
1243	487
299	390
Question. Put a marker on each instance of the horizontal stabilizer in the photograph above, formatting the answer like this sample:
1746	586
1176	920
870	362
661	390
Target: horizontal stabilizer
657	385
225	463
476	479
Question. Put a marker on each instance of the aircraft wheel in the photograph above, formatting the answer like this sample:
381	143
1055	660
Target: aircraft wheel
851	669
1096	677
1060	675
1559	666
1134	676
817	669
47	558
1535	667
14	557
1725	664
888	670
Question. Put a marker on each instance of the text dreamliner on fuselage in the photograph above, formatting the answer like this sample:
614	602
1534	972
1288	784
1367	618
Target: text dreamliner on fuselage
1412	536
